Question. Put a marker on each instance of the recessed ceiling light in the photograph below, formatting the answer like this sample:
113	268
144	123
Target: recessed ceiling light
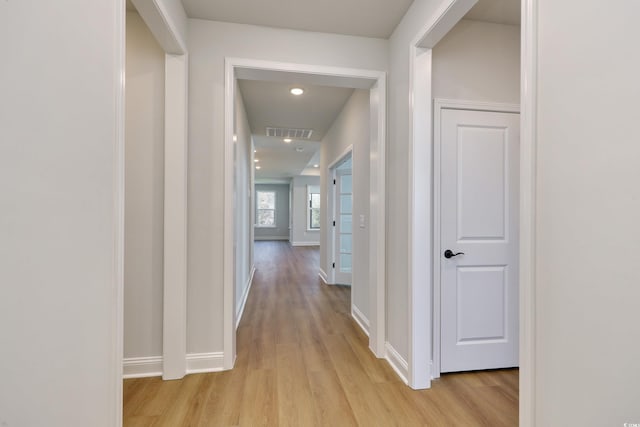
258	167
256	160
288	140
235	138
297	91
316	166
255	151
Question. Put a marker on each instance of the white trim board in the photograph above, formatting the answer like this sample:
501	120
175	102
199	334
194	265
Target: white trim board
360	319
266	238
196	363
142	367
397	362
375	82
528	137
174	331
200	363
116	308
245	296
305	243
323	276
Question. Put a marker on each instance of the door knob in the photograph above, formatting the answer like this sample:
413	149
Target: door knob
449	254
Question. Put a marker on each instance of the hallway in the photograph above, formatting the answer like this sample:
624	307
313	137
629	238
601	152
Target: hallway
302	361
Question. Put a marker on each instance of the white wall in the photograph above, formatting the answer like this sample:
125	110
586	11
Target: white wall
478	61
351	127
281	229
144	191
59	175
244	196
209	43
397	177
300	234
588	205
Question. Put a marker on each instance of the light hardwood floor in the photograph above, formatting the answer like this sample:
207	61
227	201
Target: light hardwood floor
302	361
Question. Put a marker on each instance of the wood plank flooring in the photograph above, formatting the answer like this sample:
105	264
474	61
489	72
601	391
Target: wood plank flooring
302	361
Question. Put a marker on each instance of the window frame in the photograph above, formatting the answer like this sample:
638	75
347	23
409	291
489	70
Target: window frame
310	209
258	209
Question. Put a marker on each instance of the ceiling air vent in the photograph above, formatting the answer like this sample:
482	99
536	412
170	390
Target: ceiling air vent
289	133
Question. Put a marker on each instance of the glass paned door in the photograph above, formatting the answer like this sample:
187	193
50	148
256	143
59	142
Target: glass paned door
344	238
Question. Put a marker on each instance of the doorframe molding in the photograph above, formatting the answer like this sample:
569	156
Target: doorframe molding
376	82
420	220
440	104
420	344
528	208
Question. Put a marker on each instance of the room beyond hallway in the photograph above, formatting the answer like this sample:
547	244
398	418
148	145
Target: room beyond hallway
302	361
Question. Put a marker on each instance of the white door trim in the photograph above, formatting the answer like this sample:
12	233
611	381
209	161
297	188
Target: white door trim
419	221
375	82
117	308
528	138
420	107
420	172
438	106
174	324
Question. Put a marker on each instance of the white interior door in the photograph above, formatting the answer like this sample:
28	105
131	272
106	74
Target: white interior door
479	185
343	225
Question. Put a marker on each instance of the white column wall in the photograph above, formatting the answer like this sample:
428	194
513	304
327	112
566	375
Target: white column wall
588	204
61	221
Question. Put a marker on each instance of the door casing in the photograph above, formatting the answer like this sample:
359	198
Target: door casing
372	80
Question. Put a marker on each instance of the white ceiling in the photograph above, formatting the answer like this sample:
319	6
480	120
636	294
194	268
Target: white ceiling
496	11
368	18
271	104
280	160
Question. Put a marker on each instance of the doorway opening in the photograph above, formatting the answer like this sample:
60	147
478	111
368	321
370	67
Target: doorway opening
372	84
444	44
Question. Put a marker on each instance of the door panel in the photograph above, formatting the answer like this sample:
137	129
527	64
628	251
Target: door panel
481	184
479	217
481	310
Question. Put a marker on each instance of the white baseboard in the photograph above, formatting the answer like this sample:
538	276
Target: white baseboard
270	238
360	319
142	367
397	362
245	295
305	243
198	363
324	277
